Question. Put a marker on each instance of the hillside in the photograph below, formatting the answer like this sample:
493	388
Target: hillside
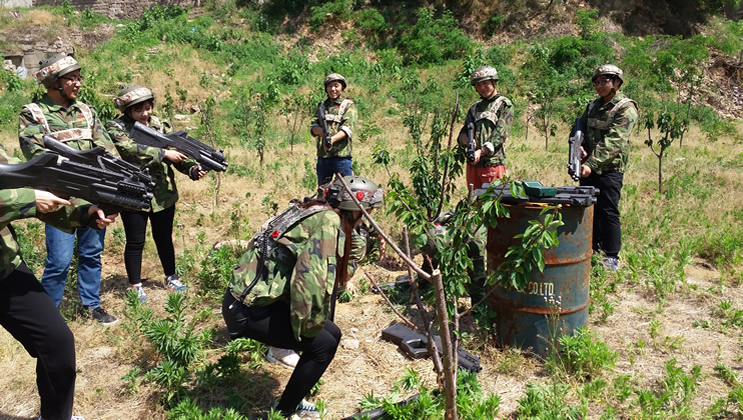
664	330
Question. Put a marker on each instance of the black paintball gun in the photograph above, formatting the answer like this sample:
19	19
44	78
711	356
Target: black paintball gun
471	142
324	125
575	142
99	158
415	345
207	157
111	190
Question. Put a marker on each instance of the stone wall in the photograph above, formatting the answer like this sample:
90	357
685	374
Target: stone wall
117	9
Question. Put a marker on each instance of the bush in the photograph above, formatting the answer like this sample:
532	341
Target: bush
432	40
339	10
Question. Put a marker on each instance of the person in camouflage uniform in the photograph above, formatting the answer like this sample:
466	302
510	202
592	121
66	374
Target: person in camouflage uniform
136	104
26	310
283	291
60	115
609	122
491	117
341	116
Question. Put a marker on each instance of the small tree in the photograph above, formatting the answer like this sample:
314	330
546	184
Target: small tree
671	127
294	110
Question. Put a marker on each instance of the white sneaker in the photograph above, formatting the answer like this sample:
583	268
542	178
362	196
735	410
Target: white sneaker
287	357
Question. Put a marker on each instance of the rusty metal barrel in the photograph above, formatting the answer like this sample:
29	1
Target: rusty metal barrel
523	316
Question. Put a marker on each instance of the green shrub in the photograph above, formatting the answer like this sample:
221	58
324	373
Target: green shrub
432	40
337	10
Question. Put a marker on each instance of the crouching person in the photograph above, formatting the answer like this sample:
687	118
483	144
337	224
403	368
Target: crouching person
283	291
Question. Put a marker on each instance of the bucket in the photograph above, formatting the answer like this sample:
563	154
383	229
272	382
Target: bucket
522	316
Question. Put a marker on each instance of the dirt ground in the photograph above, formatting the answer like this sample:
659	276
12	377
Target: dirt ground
367	364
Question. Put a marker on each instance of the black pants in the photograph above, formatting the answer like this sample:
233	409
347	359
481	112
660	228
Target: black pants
271	325
31	317
607	228
135	226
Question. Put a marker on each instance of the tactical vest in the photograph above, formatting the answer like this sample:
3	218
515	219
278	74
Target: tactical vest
604	125
64	135
266	240
337	118
490	114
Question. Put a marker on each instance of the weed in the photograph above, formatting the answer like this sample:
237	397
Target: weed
582	355
547	402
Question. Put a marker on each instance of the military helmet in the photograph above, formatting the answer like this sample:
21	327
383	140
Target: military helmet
483	73
365	190
55	67
608	70
132	95
335	77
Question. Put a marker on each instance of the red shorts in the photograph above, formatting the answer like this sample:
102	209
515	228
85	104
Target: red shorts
478	175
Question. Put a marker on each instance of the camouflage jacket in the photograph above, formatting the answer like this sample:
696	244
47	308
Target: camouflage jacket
608	133
339	116
20	204
81	128
299	272
152	158
493	118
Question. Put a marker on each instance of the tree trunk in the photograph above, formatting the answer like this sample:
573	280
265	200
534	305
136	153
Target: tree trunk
660	172
450	372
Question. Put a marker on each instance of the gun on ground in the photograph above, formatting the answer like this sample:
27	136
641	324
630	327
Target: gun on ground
111	190
415	345
207	157
575	142
324	125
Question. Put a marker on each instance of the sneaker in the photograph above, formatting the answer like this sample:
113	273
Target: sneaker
305	411
139	290
174	283
103	317
611	263
286	357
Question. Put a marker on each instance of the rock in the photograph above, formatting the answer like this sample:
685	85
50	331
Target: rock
350	344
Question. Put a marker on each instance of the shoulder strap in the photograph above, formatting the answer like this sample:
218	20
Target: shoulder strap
87	113
344	106
38	115
491	113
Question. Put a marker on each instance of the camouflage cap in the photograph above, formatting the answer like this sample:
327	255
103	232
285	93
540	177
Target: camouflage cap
132	95
54	67
335	77
483	73
367	192
610	70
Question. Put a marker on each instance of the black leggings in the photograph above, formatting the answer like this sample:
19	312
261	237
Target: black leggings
135	226
271	325
31	317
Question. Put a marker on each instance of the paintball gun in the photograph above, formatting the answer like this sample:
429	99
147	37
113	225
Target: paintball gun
324	125
471	142
415	345
99	158
574	157
111	190
207	157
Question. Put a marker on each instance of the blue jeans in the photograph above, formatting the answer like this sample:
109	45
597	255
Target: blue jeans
328	167
59	248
